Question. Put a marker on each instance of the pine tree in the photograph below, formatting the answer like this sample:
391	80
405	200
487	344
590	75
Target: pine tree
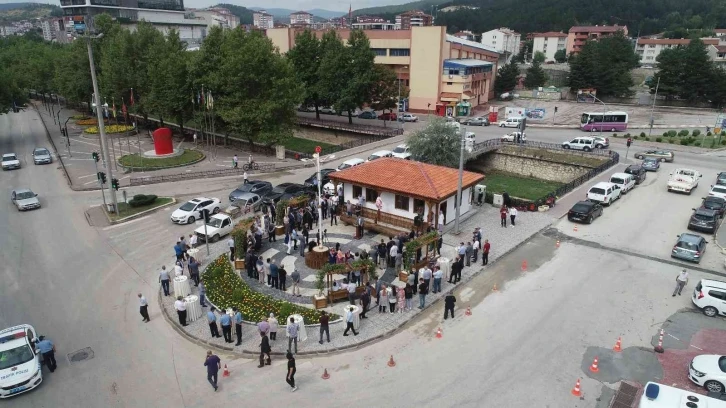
536	76
506	78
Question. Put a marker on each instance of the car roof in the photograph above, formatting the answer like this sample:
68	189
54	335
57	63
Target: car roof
354	160
713	283
13	343
39	148
719	186
9	155
285	185
585	202
690	237
714	198
634	166
199	199
706	211
621	175
23	190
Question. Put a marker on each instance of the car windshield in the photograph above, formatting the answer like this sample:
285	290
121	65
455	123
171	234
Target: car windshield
215	222
703	217
691	246
650	161
713	203
41	152
722	176
24	195
399	149
597	191
343	166
188	206
9	158
719	190
15	356
581	208
722	363
617	180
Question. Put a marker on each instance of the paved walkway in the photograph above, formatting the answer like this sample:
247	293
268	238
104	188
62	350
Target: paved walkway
378	325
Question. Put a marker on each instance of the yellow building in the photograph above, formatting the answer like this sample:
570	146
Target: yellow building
442	71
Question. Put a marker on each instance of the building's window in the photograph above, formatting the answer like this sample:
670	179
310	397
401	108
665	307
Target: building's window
380	52
419	206
402	202
449	83
357	191
371	195
651	46
400	52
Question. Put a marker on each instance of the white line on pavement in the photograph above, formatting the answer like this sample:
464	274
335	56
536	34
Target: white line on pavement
90	182
73	158
84	142
89	175
125	223
124	177
696	347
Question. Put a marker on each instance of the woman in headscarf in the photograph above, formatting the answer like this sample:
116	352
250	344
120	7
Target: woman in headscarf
272	321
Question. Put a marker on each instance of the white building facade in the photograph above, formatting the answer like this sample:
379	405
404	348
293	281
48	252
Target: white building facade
548	44
504	40
262	19
301	18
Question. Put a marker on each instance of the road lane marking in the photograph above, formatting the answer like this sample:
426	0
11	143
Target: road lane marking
84	142
675	337
122	178
124	224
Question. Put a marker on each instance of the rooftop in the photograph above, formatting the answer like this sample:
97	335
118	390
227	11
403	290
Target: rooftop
469	62
675	41
550	34
301	13
409	177
596	29
453	39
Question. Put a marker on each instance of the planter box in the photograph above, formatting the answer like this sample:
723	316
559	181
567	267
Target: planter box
239	264
320	302
279	230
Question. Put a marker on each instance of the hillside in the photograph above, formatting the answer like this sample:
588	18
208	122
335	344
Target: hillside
385	11
12	12
283	13
244	14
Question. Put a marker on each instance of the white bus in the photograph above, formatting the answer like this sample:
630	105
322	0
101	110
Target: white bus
662	396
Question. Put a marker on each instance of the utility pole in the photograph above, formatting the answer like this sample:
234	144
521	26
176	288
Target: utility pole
652	109
101	124
458	198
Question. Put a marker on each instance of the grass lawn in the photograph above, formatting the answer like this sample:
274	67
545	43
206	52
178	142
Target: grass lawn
517	186
125	210
305	145
134	160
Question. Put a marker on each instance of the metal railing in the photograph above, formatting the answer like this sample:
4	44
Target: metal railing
493	144
360	141
140	181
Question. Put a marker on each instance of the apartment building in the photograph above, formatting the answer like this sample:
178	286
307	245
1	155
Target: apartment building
504	40
413	18
263	20
301	18
648	49
445	74
579	35
218	17
549	43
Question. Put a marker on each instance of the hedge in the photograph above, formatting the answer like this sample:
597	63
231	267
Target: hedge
140	200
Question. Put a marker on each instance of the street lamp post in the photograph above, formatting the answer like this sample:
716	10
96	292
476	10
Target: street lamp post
458	199
318	149
652	109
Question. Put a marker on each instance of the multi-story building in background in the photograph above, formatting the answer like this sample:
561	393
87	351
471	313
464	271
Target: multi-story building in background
301	18
262	19
549	43
54	29
413	18
218	17
505	40
648	49
579	35
444	74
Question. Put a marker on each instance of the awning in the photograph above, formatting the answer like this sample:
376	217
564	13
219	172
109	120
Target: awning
450	96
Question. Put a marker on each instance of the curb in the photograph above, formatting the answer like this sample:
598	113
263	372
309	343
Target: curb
131	168
50	139
570	126
138	215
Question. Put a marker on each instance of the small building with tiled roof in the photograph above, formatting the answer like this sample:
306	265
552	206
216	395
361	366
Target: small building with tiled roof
407	188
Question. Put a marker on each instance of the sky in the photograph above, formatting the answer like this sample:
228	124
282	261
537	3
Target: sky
332	5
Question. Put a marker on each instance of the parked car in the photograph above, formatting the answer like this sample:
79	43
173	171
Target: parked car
580	143
585	211
477	121
721	178
379	154
24	199
41	155
625	181
274	195
258	187
20	361
328	110
218	226
10	161
251	200
310	181
601	142
603	192
513	137
704	220
408	117
683	180
402	152
638	172
192	210
452	119
511	122
662	155
689	247
350	163
710	296
717	191
709	372
388	116
367	115
651	164
717	204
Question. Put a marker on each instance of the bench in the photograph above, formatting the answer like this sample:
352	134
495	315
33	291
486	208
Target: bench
342	294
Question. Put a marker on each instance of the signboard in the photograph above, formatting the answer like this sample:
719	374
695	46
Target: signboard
79	25
514	112
536	113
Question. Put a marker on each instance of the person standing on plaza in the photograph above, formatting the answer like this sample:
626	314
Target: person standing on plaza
392	255
230	244
468	251
144	308
245	177
349	321
202	293
455	270
377	290
475	249
304	237
351	292
401	299
398	263
238	325
261	270
449	302
438	274
226	321
412	278
426	274
282	274
485	252
294	237
164	280
382	299
194	270
181	310
291	370
274	276
193	240
47	349
212	320
179	251
423	290
324	326
333	211
512	215
503	215
235	162
295	276
271	231
265	350
263	326
681	281
392	299
408	295
178	268
382	254
213	364
291	330
274	326
439	244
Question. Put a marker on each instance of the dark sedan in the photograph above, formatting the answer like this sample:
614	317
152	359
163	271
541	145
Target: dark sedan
285	191
367	115
478	121
258	187
636	171
650	164
721	178
717	204
585	211
310	181
704	220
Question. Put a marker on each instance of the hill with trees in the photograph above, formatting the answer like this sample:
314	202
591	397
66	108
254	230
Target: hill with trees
244	14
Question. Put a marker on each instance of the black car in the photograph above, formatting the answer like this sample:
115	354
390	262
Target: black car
704	220
717	204
258	187
323	174
637	171
585	211
721	178
285	191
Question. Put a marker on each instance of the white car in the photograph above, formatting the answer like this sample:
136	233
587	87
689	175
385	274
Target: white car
718	191
402	152
511	122
192	210
379	154
709	296
10	161
328	110
625	181
581	143
604	193
601	142
513	137
709	371
350	163
19	361
408	117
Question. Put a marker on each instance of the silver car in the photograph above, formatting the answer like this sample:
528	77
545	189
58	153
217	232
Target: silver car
25	199
245	200
41	155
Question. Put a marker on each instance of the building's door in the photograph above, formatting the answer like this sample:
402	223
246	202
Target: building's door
442	210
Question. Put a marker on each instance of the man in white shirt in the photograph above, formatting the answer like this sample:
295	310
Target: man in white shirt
426	273
681	281
144	308
351	292
512	214
475	249
193	240
393	254
178	269
181	310
349	322
230	244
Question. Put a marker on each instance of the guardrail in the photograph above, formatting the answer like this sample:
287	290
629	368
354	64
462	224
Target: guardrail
140	181
347	127
493	144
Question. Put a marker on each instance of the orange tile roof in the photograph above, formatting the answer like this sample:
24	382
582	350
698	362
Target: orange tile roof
596	29
409	177
675	41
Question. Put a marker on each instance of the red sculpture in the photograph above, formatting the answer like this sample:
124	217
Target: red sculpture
162	141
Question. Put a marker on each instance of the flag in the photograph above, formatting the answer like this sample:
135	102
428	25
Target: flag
113	107
132	97
123	108
211	101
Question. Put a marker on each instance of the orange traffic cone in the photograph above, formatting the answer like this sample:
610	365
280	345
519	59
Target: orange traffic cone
557	245
524	266
617	347
325	374
494	289
391	363
576	391
593	367
468	311
226	371
438	333
575	229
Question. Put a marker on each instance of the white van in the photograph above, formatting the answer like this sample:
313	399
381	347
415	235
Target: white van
350	163
604	193
511	122
625	181
662	396
580	143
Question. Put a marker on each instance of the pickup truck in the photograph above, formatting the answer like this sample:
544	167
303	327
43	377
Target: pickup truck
684	180
218	226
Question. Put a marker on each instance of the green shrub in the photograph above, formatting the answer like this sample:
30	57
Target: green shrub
642	134
683	133
723	133
627	135
665	134
672	133
647	139
658	139
140	200
697	144
635	137
671	140
723	142
696	133
709	133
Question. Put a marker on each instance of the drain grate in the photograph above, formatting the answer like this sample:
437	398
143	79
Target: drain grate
80	355
625	396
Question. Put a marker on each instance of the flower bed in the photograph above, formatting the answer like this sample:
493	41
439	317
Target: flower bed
110	129
89	122
226	289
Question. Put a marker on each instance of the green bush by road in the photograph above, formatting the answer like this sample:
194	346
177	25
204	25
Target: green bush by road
518	186
134	160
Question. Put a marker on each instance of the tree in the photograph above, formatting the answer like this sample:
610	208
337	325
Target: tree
359	60
605	65
73	74
170	91
333	65
687	72
524	52
536	76
507	78
539	56
10	93
561	56
146	39
305	59
384	93
438	143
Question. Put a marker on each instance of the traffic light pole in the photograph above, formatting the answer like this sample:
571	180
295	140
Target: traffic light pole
103	196
101	124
